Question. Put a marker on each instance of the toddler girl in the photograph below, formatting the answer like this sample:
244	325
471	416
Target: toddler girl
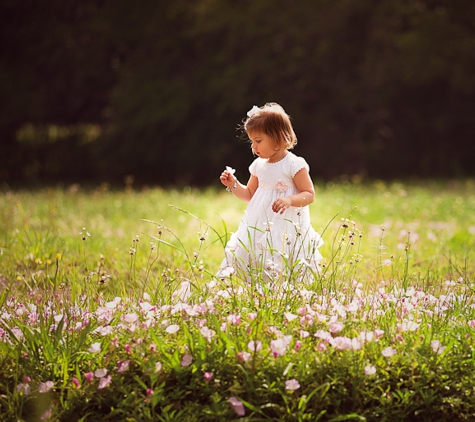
275	234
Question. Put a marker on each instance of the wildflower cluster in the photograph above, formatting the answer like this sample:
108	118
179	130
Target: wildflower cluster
161	339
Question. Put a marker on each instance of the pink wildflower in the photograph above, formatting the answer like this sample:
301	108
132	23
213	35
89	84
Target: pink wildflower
207	376
237	405
366	336
279	346
207	333
388	352
18	333
437	347
409	326
127	348
336	327
321	317
289	316
104	382
172	329
23	388
95	348
89	376
252	316
234	319
45	387
100	373
186	360
322	346
149	392
369	370
130	318
76	382
123	366
254	345
324	335
292	385
356	343
183	292
341	343
244	356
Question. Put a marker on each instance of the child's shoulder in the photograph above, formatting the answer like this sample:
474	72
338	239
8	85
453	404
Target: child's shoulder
292	155
295	158
258	162
296	163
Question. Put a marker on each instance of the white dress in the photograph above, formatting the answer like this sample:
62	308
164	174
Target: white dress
278	244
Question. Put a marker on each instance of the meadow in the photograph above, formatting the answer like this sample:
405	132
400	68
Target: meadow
110	309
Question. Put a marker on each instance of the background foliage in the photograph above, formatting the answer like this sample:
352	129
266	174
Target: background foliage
95	90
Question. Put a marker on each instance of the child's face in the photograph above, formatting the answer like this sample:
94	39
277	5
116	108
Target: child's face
262	145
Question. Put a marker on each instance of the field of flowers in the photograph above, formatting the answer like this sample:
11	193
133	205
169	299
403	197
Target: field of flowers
110	309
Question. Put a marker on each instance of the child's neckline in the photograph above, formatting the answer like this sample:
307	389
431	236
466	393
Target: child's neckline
278	161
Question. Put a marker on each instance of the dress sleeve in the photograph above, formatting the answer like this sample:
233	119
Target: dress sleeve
253	167
298	163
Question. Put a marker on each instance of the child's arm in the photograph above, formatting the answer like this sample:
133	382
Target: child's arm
306	194
243	192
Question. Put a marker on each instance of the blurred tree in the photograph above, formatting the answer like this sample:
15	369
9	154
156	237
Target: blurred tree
55	70
383	89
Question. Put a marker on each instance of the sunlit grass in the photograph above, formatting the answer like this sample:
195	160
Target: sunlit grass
123	281
437	220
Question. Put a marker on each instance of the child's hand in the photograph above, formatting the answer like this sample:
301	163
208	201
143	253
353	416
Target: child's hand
281	204
227	178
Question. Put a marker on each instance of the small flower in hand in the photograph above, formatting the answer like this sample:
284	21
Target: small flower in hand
228	176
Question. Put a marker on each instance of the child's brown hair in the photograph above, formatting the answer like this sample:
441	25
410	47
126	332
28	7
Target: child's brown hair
272	120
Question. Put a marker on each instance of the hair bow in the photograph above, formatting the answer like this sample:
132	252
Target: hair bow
253	111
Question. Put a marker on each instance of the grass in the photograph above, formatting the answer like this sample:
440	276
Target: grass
109	308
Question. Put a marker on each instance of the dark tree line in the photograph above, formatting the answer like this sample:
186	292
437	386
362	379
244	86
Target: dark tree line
93	90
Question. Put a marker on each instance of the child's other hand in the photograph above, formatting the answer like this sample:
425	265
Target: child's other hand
281	204
227	178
